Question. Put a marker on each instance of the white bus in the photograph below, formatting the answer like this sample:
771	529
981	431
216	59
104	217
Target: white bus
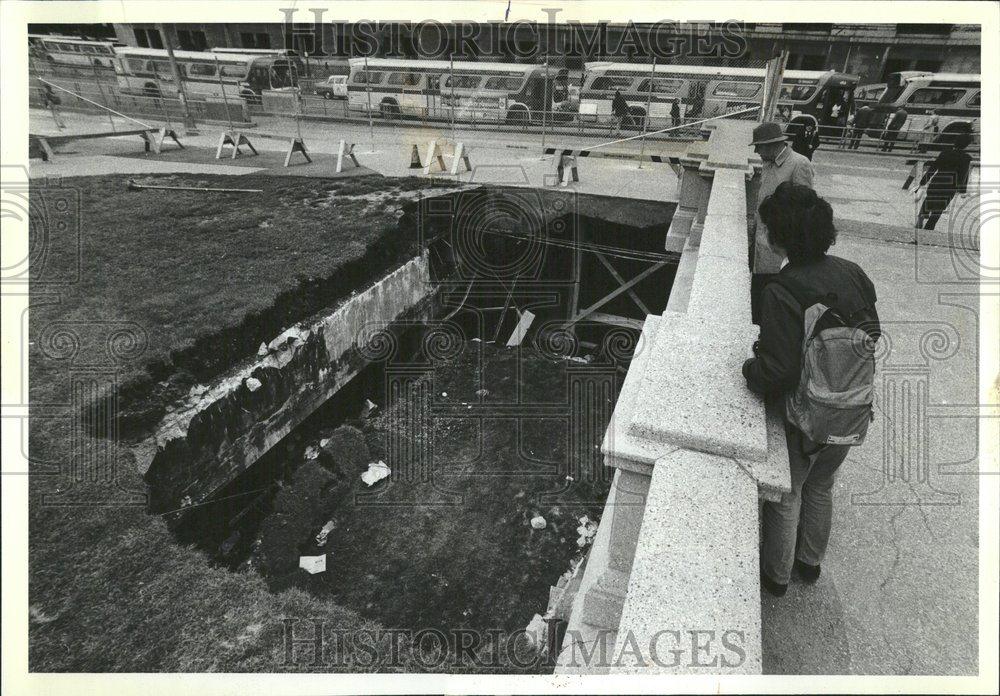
510	92
71	52
678	93
954	97
207	75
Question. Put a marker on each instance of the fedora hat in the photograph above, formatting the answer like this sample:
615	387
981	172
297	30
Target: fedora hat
768	132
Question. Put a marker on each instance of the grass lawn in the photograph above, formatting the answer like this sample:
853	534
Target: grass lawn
201	279
205	278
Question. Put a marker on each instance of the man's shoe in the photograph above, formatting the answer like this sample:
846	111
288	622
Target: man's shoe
809	573
773	588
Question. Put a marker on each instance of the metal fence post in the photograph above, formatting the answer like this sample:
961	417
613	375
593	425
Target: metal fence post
645	121
368	90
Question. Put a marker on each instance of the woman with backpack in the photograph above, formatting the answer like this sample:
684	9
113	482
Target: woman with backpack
816	352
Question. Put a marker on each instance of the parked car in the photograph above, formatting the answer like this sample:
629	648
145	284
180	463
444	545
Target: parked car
333	87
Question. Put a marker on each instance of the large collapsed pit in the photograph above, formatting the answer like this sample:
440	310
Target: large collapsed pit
488	421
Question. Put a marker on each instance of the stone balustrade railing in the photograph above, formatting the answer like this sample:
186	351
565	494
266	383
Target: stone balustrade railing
671	583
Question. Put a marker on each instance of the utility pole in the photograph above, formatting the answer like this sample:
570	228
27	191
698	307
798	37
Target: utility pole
189	125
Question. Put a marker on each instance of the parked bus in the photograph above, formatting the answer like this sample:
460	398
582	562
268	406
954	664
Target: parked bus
694	92
510	92
869	94
954	97
206	75
72	52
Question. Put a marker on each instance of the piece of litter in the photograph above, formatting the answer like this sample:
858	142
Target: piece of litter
376	472
324	442
325	532
570	478
523	324
581	542
444	393
311	452
313	564
538	522
369	408
536	631
253	384
262	351
482	392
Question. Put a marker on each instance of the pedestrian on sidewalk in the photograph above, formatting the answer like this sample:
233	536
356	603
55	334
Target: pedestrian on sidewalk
619	110
799	225
946	176
892	129
862	119
51	100
806	139
781	164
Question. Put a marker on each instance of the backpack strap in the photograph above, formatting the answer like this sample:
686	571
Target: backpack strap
803	295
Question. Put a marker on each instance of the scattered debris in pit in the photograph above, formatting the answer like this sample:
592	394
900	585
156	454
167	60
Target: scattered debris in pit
474	537
376	472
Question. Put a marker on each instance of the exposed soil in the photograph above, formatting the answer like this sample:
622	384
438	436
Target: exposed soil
455	548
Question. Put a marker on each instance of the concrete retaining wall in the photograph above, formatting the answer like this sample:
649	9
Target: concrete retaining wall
671	585
223	428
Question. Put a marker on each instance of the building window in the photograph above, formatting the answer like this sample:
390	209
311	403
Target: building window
148	38
192	40
255	39
923	29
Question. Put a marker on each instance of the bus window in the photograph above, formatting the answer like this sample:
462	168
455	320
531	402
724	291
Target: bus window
741	90
405	79
974	100
370	78
609	82
201	70
661	85
796	93
936	96
281	76
462	81
136	65
502	83
234	71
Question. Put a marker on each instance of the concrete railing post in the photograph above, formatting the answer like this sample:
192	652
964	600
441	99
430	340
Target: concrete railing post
604	600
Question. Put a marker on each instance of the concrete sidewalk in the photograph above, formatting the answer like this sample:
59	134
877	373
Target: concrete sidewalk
898	590
509	159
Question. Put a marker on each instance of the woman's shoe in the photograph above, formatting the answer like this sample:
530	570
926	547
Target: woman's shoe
809	573
773	588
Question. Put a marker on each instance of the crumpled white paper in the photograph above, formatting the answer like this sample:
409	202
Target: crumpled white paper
376	472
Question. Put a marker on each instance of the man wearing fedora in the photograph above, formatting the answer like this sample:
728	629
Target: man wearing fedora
781	163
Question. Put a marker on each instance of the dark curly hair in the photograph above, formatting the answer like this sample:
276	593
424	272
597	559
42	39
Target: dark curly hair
799	221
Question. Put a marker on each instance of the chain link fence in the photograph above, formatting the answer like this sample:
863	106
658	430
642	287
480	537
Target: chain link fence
641	100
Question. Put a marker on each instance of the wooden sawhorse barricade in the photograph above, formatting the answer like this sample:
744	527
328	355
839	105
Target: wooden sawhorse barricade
441	148
236	139
153	138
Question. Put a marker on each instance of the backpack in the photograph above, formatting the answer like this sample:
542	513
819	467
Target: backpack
832	404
